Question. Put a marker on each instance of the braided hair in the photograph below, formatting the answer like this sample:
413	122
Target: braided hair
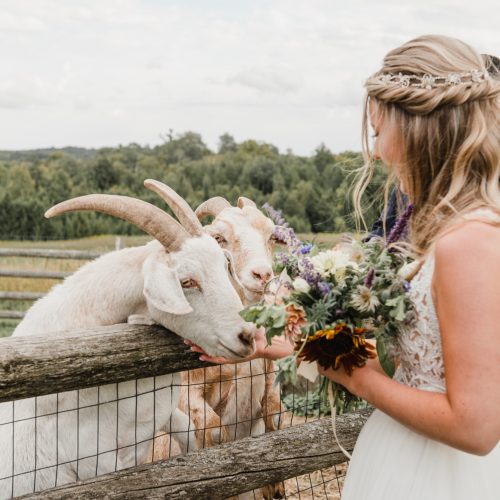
449	132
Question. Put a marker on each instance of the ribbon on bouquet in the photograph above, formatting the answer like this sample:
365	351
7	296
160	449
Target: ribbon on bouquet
310	372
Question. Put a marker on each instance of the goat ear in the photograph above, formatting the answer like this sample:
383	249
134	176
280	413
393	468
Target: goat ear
245	202
162	288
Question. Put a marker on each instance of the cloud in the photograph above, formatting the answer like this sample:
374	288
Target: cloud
266	80
102	73
12	22
24	92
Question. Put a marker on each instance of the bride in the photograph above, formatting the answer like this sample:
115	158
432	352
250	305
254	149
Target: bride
435	114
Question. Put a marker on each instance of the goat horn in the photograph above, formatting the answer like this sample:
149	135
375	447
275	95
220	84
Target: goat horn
212	207
178	205
142	214
245	202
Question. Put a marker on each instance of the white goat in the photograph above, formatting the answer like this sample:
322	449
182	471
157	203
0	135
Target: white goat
235	400
181	281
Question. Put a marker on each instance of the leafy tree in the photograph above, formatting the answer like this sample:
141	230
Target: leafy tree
227	144
313	192
103	174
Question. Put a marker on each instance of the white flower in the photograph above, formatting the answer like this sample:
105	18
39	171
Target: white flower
357	254
340	276
301	285
364	300
328	262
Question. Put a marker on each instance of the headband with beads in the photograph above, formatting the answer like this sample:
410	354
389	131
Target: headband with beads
432	81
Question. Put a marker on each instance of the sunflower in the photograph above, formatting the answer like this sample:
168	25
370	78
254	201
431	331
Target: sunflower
341	345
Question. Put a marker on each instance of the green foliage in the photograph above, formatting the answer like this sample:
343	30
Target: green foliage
313	193
272	318
310	405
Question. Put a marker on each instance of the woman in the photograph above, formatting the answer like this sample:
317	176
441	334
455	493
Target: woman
435	114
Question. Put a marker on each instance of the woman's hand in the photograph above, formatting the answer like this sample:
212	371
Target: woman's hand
280	347
359	375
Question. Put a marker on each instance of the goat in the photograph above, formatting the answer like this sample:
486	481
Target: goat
181	281
235	400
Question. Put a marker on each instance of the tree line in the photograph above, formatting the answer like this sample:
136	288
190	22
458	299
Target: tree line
314	193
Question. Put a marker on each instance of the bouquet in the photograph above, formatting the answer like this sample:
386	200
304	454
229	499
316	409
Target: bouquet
338	299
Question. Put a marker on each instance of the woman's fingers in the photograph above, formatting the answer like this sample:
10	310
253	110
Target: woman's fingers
194	347
213	359
204	356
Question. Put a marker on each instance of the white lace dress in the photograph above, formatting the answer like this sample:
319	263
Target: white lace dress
392	462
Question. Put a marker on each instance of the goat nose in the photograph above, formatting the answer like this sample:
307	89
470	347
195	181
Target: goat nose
262	273
246	337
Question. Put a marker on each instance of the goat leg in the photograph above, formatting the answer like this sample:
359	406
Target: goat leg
271	406
205	420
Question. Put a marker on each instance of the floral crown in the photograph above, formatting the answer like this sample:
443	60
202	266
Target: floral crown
432	81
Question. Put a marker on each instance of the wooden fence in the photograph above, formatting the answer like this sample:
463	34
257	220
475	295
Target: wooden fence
32	274
39	365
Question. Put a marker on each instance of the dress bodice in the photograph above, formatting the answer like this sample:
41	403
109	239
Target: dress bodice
419	347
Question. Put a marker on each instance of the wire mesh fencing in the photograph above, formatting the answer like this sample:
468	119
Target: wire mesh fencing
58	439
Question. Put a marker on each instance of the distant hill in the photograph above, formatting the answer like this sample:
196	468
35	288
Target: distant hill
313	192
31	154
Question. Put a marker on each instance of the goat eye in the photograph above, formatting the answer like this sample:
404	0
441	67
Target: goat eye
220	239
190	283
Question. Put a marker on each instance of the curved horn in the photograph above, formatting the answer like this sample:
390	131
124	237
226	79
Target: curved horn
212	207
142	214
178	205
245	202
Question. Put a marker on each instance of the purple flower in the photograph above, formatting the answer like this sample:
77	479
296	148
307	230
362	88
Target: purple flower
306	248
399	230
407	286
275	215
324	287
291	240
283	258
309	273
369	278
287	235
282	232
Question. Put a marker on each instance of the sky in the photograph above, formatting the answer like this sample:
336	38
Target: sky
95	73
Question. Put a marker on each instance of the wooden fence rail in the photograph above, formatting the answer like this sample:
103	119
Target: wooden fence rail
44	364
15	273
48	253
21	295
228	469
11	314
38	365
15	314
36	253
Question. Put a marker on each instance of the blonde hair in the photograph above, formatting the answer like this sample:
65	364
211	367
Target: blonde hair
449	135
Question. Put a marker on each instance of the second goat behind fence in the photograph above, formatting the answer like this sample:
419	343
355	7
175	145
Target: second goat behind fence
234	401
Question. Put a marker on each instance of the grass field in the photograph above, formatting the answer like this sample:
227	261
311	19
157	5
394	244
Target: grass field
96	243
